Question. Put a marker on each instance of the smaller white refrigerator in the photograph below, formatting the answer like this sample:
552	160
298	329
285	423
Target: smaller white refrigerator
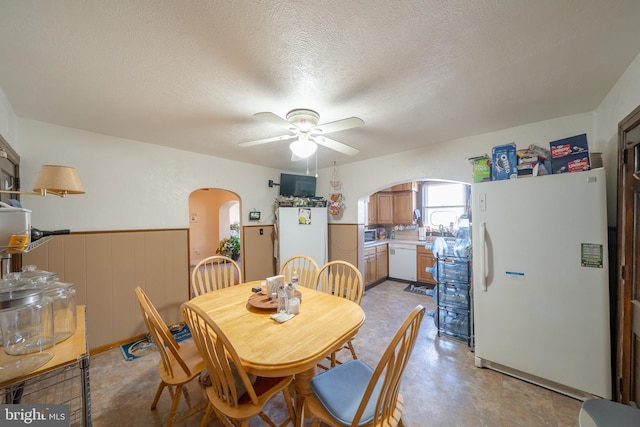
302	231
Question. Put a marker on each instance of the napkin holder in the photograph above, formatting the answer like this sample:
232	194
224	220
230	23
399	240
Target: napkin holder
273	283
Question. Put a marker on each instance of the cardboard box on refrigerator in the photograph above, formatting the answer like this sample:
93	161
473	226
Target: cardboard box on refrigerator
570	154
572	163
572	145
504	162
481	169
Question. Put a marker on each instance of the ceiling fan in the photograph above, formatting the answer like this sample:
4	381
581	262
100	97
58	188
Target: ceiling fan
303	126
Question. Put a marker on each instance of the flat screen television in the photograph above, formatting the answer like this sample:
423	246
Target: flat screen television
297	185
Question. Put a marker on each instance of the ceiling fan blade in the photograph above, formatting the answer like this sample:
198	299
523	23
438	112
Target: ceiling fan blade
276	120
266	140
338	125
335	145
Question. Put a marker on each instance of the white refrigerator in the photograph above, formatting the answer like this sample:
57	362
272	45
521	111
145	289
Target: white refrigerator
302	231
540	281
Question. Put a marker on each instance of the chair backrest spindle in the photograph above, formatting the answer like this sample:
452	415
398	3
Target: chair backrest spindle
213	273
306	268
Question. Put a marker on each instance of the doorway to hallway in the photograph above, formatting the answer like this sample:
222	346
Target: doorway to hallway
214	214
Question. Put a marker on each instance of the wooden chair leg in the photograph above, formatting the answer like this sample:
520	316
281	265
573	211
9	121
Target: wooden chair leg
187	397
288	401
264	418
207	413
174	405
161	387
352	350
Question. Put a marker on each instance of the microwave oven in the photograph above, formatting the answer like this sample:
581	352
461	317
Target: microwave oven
369	236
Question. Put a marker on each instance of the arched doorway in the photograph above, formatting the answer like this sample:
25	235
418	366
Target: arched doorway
214	214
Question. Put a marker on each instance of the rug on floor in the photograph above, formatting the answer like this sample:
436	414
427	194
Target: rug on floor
144	346
419	289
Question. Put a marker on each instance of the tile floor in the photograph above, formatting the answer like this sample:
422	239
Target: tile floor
441	386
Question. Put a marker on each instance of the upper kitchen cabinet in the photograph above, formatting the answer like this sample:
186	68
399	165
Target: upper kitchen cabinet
407	186
404	203
372	209
385	206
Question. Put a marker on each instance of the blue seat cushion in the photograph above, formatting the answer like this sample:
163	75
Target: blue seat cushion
606	413
340	391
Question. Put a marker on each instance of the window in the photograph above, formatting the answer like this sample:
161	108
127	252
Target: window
443	203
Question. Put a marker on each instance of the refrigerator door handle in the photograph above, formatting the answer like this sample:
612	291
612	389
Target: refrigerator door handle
482	260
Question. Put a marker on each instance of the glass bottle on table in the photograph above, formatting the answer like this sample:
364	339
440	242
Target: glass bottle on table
293	285
283	300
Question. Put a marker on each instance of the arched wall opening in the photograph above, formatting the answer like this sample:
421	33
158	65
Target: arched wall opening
213	215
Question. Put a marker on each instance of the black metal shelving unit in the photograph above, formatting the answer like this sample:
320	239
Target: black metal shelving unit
453	298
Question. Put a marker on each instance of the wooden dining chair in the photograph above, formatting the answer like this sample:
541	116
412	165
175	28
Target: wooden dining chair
353	394
233	396
213	273
305	266
179	363
342	279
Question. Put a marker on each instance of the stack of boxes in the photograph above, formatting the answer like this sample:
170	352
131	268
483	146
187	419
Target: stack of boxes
506	162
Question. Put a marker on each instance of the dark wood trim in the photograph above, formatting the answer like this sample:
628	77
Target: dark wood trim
622	383
12	166
129	231
11	153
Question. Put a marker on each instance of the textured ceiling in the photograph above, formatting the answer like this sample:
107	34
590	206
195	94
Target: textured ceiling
191	74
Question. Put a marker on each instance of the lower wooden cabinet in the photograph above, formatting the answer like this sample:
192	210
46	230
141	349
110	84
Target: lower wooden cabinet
425	259
369	266
376	264
382	262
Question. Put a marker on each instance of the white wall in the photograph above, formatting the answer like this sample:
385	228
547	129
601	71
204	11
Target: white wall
132	185
129	184
445	161
623	98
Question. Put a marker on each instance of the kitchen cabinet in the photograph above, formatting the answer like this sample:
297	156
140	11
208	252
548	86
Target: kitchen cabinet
425	259
376	264
372	209
404	202
385	207
407	186
369	266
382	262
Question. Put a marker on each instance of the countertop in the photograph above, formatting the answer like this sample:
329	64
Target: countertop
386	241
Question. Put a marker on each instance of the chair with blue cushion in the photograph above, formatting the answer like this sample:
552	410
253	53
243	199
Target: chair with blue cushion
344	280
605	413
353	394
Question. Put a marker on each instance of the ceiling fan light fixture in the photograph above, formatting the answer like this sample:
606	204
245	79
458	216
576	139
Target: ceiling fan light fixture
303	147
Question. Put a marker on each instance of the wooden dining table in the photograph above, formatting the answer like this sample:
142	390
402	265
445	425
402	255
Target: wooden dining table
271	349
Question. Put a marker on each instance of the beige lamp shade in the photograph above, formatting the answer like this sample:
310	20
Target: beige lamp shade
58	180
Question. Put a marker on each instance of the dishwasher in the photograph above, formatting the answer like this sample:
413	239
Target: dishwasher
403	261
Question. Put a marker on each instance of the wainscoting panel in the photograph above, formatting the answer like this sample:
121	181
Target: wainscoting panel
105	267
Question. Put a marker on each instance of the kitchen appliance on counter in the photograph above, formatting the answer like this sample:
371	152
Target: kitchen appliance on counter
541	306
369	236
422	233
403	261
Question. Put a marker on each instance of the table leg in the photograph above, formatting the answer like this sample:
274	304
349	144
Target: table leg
303	389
